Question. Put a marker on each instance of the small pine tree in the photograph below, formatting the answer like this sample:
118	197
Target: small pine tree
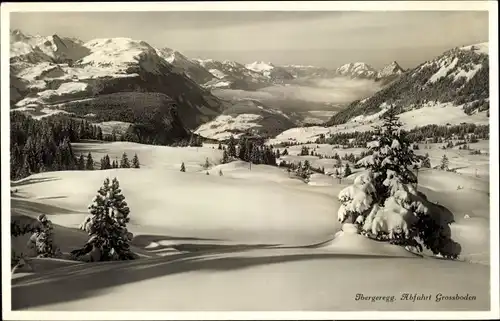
135	162
124	163
183	168
220	146
81	163
220	172
207	164
208	173
42	240
426	161
89	165
347	170
444	163
225	157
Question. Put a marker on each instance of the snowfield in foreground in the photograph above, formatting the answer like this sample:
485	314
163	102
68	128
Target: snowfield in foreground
252	239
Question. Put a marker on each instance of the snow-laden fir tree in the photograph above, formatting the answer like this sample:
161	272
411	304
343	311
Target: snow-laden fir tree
220	172
106	224
135	162
183	167
383	203
426	161
41	241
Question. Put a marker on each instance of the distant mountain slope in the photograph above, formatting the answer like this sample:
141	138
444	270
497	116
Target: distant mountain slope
459	76
247	116
47	71
232	75
183	64
274	73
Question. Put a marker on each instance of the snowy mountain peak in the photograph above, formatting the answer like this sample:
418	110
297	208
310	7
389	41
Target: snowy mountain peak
260	66
171	55
357	69
391	69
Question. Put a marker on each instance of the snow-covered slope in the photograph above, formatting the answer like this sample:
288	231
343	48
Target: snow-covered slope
247	116
102	67
211	252
459	76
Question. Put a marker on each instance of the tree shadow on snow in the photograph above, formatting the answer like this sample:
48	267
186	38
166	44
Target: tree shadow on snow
34	209
443	217
86	280
30	181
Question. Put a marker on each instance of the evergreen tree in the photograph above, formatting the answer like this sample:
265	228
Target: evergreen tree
42	240
231	147
347	170
90	163
25	170
183	168
220	172
225	157
124	163
220	146
426	162
208	173
385	192
135	162
81	162
444	163
114	164
390	151
106	224
338	163
105	163
99	133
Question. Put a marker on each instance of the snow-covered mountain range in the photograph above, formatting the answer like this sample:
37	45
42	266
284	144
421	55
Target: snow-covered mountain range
115	79
356	70
459	76
60	73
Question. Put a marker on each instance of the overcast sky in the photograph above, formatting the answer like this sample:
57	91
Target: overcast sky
326	39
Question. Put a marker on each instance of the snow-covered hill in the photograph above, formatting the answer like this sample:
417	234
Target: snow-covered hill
51	70
459	76
247	116
211	253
